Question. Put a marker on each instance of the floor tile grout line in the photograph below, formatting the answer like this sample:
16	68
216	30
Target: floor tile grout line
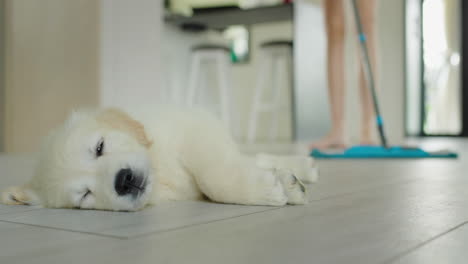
260	211
200	224
67	230
141	235
6	213
360	191
422	244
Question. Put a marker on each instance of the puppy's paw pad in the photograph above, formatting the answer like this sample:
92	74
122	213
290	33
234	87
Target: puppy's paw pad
295	189
277	196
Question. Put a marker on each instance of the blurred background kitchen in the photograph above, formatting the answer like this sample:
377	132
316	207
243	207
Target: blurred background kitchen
259	65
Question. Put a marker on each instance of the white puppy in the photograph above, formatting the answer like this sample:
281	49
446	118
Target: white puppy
114	160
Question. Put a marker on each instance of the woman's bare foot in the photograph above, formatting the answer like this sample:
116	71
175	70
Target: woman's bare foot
368	142
329	142
368	136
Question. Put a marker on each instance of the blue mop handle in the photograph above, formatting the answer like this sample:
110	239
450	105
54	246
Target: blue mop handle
368	74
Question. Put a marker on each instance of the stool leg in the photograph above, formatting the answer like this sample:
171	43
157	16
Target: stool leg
274	90
257	98
224	84
174	89
193	79
276	110
202	83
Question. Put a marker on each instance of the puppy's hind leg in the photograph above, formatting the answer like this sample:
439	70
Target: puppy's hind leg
240	181
224	175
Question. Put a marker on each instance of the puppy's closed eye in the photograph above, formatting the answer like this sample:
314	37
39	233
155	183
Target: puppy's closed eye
86	195
99	148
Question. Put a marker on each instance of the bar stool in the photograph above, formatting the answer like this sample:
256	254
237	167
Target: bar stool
275	65
219	56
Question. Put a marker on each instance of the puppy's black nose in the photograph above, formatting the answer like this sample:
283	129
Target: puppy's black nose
126	182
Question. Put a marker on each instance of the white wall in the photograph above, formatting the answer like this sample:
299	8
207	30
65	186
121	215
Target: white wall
51	66
311	95
130	52
66	54
2	73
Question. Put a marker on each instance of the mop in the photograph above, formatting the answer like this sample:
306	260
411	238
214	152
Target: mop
383	151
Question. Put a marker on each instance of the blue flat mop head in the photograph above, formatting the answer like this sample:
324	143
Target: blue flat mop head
372	152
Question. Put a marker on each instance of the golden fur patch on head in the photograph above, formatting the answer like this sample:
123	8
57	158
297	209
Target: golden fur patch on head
120	120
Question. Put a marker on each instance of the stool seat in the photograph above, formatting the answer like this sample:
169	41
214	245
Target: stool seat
276	43
211	47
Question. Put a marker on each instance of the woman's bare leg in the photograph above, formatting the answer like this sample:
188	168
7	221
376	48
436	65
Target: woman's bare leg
335	28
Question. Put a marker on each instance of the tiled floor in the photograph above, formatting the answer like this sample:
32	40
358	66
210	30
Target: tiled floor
399	211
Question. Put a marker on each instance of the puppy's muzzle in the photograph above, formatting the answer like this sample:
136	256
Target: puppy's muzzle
129	182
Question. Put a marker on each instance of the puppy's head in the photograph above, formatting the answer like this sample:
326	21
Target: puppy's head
96	160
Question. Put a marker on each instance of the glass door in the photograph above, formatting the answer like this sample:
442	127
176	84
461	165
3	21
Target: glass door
434	102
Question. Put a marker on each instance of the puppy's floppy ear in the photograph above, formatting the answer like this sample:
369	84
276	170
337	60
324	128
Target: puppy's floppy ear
118	119
20	195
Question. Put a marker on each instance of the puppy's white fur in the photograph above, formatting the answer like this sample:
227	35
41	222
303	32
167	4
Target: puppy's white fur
182	154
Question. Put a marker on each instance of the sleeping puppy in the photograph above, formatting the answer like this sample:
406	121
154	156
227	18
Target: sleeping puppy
114	160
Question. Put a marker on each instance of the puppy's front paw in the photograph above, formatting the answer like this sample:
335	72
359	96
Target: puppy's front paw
17	195
294	188
277	197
